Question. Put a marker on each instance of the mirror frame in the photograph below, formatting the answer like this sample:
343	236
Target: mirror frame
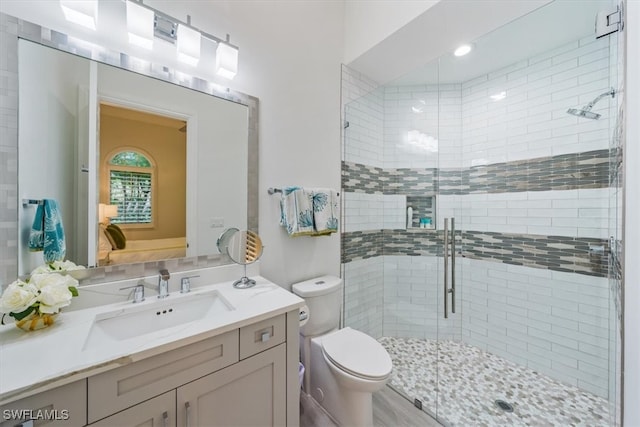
12	29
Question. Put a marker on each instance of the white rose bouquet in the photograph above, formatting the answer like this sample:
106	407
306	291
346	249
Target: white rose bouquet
45	292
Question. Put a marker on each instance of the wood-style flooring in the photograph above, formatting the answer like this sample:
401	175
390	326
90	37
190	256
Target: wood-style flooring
390	409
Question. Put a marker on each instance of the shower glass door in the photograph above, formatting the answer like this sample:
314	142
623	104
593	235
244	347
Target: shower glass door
449	283
514	320
529	174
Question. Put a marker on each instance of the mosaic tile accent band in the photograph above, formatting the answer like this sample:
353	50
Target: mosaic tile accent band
559	253
564	172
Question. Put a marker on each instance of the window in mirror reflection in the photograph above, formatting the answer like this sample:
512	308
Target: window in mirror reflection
131	187
143	173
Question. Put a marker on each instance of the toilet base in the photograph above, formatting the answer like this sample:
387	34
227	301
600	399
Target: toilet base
347	406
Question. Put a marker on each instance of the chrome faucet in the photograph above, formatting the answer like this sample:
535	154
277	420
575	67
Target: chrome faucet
185	284
138	291
163	283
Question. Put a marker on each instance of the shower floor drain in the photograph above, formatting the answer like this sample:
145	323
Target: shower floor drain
504	405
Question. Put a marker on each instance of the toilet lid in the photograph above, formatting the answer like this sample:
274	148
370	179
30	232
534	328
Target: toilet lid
357	354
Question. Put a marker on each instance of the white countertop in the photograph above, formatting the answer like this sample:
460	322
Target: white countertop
33	362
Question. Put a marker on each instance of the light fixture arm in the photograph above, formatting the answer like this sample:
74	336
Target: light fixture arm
176	22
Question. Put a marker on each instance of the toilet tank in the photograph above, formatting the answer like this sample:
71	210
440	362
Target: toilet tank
323	296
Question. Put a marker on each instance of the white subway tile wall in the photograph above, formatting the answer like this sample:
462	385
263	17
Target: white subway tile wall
571	213
363	111
363	299
552	321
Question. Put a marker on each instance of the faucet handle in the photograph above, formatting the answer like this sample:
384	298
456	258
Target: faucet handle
138	292
185	284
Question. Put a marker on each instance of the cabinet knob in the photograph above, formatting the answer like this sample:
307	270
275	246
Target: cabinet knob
265	336
165	419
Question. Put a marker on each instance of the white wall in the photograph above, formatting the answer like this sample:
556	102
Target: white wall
290	56
369	22
48	118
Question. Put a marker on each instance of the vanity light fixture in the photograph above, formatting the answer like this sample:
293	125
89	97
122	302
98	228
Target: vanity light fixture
81	12
188	45
144	23
462	50
188	40
140	24
226	59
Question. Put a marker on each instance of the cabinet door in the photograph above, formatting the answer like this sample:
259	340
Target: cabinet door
62	406
249	393
157	412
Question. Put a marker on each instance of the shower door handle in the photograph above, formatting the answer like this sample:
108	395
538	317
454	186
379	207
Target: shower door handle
448	290
446	267
453	266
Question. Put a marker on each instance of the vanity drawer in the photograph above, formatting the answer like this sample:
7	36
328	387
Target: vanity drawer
62	406
121	388
261	336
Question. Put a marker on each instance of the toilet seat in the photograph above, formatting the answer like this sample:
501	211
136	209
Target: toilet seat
358	354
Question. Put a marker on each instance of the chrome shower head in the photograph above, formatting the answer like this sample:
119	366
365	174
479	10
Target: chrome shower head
586	110
583	113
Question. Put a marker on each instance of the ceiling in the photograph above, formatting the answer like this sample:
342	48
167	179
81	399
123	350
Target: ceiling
540	30
140	116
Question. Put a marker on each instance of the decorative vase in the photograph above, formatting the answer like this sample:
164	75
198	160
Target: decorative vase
35	321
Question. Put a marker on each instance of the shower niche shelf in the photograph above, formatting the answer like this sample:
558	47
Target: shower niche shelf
423	214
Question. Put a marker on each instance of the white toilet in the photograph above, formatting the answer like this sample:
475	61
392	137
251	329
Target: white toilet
343	366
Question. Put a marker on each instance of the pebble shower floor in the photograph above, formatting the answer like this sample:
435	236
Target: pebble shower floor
471	380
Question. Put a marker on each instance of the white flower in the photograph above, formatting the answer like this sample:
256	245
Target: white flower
17	297
66	266
53	297
57	267
42	280
41	269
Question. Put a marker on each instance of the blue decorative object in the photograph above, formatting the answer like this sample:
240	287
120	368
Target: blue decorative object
47	232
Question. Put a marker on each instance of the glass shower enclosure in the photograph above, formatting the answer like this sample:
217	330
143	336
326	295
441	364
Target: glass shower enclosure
478	222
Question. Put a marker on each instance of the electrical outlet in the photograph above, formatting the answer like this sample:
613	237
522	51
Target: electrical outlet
216	222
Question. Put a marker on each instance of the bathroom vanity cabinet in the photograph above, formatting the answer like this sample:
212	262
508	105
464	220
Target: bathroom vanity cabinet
67	405
238	377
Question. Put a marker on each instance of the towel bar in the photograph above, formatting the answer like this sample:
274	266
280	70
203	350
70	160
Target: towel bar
273	190
26	202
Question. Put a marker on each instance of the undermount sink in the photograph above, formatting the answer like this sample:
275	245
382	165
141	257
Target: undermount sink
137	320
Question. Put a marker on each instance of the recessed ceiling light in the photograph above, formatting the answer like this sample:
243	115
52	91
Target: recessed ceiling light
462	50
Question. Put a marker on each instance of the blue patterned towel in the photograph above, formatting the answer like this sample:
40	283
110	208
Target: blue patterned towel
296	211
325	210
47	233
309	212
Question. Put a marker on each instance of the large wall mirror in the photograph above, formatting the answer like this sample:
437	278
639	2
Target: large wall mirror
166	159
